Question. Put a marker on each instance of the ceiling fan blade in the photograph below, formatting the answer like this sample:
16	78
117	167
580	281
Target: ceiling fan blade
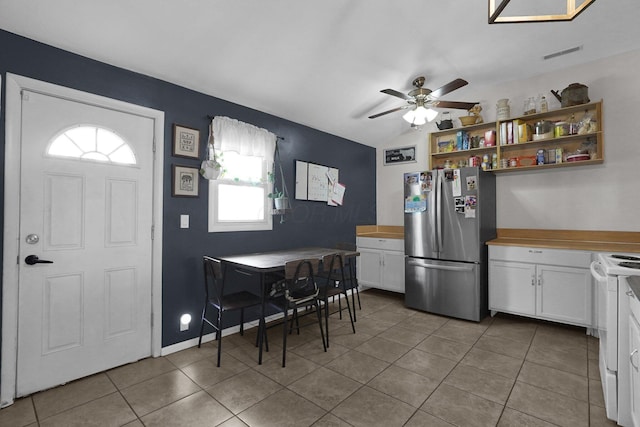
390	111
396	93
449	87
453	104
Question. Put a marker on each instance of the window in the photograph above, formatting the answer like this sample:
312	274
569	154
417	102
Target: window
92	143
238	199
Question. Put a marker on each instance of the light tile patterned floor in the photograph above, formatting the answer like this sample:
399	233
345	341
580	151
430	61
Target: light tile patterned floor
402	368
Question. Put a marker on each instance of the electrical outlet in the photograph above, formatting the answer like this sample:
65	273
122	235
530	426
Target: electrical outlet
184	326
184	221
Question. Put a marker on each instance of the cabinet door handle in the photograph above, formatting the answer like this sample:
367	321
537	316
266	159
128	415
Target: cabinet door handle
631	359
539	280
531	251
533	280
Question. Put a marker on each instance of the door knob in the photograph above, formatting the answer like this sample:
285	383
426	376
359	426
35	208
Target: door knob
33	259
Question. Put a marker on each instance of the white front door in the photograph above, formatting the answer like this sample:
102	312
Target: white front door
90	214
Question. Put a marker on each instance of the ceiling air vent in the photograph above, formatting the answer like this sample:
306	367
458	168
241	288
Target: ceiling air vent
562	52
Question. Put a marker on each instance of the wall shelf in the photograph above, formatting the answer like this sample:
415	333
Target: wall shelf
523	152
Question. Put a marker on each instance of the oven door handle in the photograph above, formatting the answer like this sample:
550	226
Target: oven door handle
596	271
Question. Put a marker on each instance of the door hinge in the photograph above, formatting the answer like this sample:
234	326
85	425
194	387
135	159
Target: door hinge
153	229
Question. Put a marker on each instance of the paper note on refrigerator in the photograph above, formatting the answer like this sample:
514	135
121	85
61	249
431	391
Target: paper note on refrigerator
470	203
455	184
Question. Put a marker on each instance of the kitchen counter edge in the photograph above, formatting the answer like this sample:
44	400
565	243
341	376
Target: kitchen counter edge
583	240
380	231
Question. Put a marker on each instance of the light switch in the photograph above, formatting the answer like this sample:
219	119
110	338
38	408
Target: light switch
184	221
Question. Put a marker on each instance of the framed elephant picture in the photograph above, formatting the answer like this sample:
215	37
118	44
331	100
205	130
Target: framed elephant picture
184	181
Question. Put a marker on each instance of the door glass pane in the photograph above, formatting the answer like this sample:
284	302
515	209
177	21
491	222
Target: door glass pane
92	143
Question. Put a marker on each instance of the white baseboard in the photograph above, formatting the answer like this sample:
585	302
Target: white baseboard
193	342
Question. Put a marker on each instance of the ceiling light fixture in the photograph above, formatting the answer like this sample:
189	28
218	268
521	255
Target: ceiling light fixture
420	115
571	12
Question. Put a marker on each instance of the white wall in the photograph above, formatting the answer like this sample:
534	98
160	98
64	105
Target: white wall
597	197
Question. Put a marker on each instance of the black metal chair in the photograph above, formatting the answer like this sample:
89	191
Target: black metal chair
335	284
298	289
351	276
215	297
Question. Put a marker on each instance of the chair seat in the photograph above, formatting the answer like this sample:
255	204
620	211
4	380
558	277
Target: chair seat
330	291
239	300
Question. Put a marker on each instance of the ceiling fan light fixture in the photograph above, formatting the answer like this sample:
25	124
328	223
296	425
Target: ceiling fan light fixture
420	115
431	114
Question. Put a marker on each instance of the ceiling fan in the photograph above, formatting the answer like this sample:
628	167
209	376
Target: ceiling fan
421	101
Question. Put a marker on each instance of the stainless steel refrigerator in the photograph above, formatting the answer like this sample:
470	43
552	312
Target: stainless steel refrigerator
449	215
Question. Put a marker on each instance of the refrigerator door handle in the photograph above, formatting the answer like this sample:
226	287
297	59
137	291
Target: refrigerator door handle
433	203
441	267
439	213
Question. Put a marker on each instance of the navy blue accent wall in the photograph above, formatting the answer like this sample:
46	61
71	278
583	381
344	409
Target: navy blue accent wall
309	223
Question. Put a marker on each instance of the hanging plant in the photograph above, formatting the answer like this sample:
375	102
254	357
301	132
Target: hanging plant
211	167
280	198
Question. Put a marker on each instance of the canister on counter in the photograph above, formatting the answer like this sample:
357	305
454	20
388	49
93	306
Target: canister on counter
540	157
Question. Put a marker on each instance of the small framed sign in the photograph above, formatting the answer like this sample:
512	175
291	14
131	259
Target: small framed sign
184	181
186	142
400	155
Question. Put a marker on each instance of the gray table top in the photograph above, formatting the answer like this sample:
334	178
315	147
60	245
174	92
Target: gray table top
275	260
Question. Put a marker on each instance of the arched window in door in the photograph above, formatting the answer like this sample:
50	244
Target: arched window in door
92	143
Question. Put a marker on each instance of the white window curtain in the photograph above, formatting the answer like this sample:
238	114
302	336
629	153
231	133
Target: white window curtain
238	199
243	138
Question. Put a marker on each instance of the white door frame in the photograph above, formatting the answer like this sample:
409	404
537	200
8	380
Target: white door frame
10	273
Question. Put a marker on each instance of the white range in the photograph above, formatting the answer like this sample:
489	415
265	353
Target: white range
612	321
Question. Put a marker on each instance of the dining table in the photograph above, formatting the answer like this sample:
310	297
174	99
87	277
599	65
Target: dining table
272	263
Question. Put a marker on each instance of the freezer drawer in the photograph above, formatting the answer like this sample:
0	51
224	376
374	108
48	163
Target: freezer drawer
453	289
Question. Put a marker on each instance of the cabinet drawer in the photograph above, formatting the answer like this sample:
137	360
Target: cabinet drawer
570	258
375	243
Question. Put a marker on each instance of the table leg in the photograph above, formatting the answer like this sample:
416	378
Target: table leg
262	327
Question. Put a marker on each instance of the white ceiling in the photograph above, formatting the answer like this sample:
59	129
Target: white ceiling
322	63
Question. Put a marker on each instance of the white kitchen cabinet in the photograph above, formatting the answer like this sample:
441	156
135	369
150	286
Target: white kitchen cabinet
634	361
381	263
634	367
547	284
512	287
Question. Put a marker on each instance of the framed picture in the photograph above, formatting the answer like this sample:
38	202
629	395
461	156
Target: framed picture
186	142
400	155
184	181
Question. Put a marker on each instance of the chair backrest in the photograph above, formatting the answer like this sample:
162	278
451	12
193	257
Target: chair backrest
300	283
213	283
331	262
